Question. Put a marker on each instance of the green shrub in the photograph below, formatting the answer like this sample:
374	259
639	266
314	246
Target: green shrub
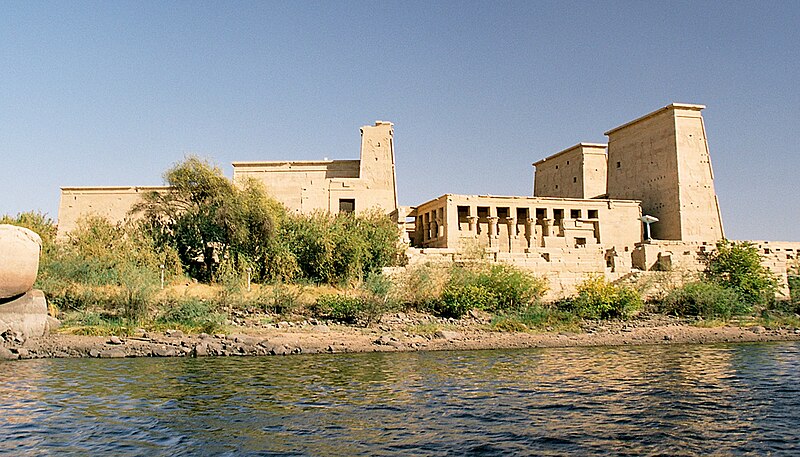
494	288
337	249
281	300
598	299
338	307
191	314
457	299
706	299
737	266
536	316
794	289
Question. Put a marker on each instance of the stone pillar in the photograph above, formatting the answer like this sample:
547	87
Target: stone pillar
529	229
546	225
510	223
473	224
492	228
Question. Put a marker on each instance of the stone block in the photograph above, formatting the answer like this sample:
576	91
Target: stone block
19	259
27	314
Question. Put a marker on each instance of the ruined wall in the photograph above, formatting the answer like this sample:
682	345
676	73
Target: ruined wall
662	159
563	268
576	172
112	203
658	255
333	185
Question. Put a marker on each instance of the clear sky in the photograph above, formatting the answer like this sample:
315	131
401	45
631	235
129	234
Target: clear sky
114	92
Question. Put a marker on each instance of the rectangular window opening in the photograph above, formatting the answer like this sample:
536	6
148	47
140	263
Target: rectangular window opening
503	213
558	215
575	214
592	214
347	205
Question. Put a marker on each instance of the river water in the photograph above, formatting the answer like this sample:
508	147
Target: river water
658	400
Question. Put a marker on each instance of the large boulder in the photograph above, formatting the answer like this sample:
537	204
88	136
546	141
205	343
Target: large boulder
27	315
19	260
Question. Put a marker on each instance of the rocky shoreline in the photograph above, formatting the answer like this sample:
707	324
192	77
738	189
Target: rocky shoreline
395	333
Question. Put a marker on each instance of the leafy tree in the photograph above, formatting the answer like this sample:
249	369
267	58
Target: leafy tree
206	218
337	248
737	265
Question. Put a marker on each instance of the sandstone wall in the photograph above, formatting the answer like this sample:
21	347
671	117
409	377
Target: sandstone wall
112	203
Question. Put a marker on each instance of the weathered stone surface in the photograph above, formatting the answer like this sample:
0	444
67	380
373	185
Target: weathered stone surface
448	335
5	354
19	260
27	315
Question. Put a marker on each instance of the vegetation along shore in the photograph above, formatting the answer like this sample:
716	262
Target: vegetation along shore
210	268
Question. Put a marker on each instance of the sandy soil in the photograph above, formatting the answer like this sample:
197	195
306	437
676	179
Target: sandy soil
396	332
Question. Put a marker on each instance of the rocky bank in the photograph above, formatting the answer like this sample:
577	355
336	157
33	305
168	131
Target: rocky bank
396	332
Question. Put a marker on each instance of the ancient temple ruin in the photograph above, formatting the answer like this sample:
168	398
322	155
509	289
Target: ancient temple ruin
586	214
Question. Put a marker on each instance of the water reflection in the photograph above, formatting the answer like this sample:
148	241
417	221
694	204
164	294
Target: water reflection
671	400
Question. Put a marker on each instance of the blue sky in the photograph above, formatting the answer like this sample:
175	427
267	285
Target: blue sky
114	93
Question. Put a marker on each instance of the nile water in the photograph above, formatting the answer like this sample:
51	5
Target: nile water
659	400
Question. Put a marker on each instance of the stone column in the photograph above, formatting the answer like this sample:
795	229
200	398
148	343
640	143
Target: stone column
473	224
492	228
546	225
529	225
510	221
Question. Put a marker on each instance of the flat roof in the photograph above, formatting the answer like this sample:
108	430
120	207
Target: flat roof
272	163
527	197
572	148
112	188
672	106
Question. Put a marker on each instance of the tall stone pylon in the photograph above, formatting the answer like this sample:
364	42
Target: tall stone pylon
663	160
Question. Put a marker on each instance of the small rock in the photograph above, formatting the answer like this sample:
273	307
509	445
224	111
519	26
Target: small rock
758	329
163	351
321	328
668	337
22	353
219	336
94	353
447	335
200	350
114	340
330	349
247	340
204	336
112	354
174	333
383	340
5	354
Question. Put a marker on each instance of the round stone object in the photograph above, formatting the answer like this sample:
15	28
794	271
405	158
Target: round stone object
19	259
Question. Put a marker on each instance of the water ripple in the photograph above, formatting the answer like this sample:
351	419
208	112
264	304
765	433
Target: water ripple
669	400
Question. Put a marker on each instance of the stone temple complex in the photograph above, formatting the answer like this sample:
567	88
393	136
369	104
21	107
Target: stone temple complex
587	213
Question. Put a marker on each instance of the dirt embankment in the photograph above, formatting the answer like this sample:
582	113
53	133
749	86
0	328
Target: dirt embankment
396	332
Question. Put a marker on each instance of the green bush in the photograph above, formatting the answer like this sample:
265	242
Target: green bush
494	288
338	307
706	299
794	289
458	299
191	314
598	299
536	316
337	249
737	266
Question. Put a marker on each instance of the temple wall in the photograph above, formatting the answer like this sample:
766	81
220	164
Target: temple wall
112	203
